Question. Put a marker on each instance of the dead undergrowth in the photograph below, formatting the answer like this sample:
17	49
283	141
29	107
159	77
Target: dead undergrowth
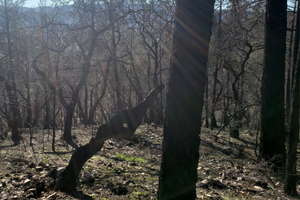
130	169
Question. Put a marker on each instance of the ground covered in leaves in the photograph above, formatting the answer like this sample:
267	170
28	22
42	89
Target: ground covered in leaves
130	169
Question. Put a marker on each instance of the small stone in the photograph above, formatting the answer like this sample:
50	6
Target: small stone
3	181
39	168
86	177
26	182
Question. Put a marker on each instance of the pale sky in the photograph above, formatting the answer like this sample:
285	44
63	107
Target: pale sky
32	3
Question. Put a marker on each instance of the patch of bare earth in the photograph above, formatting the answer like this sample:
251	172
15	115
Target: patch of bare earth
130	169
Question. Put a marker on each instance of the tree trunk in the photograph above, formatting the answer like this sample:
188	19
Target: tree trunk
46	124
36	108
53	127
206	100
98	100
291	64
272	140
14	107
213	123
292	178
85	105
7	112
119	105
291	172
114	129
178	175
68	125
28	123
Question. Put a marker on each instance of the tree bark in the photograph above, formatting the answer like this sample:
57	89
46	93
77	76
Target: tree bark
206	101
213	122
291	177
178	174
272	140
290	65
14	107
114	129
98	100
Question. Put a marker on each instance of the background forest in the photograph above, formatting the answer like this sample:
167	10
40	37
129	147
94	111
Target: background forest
68	66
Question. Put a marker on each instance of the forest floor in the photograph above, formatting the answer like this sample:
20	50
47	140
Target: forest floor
130	169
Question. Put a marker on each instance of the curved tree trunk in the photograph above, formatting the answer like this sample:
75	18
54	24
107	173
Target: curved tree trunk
114	129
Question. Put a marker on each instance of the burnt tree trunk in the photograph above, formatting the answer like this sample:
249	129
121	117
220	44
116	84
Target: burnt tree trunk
178	174
114	129
206	101
85	105
291	64
291	177
291	172
213	122
98	101
14	107
68	125
272	140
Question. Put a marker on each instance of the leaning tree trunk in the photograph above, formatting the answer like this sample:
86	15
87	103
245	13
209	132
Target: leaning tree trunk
178	174
272	141
114	129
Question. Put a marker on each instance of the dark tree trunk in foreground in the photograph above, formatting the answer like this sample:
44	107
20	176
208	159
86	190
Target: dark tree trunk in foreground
291	172
272	141
178	174
114	129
